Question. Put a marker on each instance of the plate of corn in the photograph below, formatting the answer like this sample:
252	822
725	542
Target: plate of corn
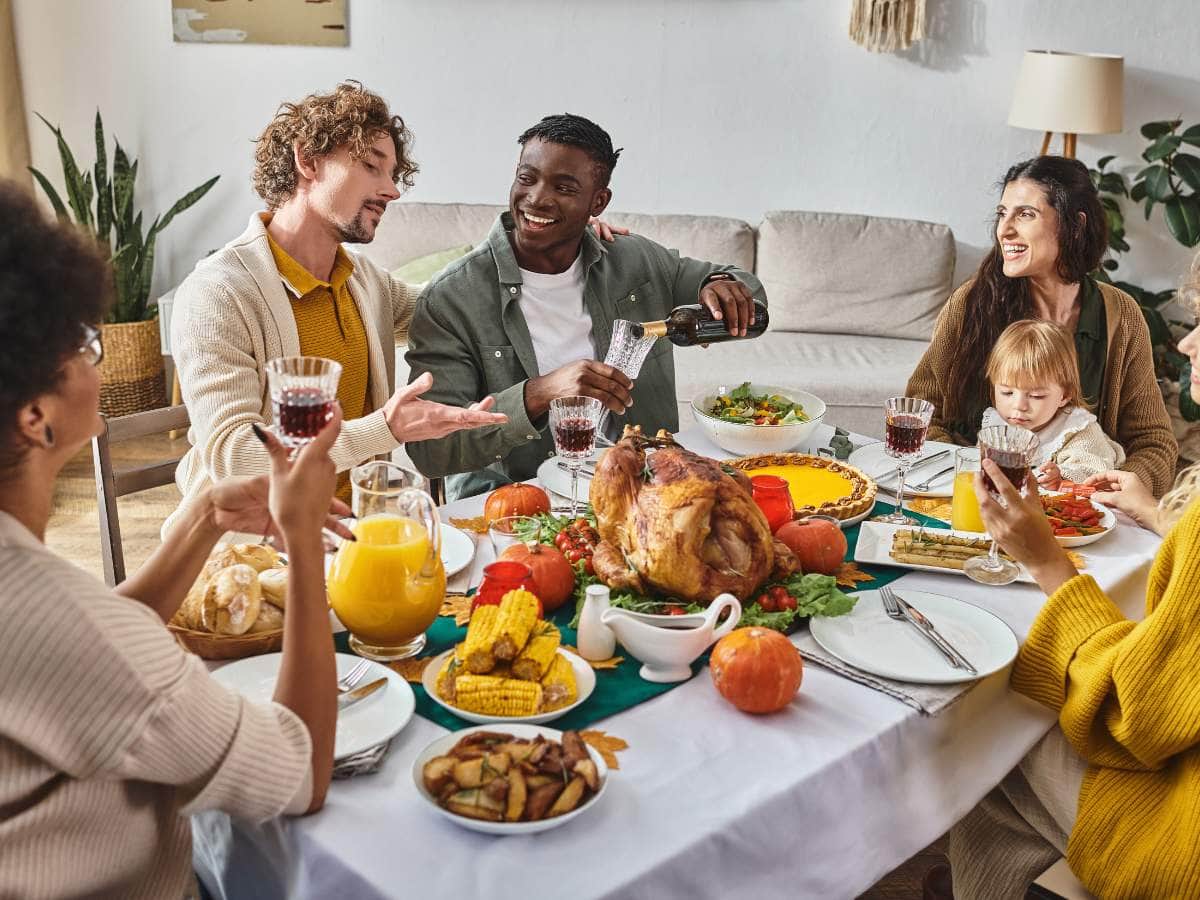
510	668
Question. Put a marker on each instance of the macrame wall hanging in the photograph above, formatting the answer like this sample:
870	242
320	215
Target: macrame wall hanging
886	25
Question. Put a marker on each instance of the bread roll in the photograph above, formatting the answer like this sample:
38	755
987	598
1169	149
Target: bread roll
233	600
270	618
274	585
259	557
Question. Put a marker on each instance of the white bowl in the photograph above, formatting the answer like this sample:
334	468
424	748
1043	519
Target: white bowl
585	683
441	747
749	439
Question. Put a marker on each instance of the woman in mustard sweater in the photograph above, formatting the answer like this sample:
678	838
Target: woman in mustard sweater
1116	787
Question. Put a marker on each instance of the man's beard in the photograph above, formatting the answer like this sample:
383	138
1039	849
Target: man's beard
355	231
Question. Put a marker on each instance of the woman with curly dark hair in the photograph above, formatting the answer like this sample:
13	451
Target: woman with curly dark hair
1050	235
111	734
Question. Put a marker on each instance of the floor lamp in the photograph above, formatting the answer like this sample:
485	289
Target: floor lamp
1068	94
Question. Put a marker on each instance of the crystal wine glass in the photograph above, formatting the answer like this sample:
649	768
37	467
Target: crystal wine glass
303	391
1011	448
574	422
906	423
626	351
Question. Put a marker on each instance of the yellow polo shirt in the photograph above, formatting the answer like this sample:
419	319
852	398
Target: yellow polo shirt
329	325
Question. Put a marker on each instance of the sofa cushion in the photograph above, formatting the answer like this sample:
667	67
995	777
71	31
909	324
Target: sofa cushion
712	238
847	274
411	230
848	372
423	268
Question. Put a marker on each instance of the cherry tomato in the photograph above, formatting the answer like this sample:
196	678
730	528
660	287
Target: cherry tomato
766	601
587	565
675	611
574	555
787	601
562	540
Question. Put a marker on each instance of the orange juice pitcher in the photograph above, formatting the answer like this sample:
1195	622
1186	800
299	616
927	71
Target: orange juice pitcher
387	586
964	508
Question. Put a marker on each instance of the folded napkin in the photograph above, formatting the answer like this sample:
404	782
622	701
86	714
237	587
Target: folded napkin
365	763
928	699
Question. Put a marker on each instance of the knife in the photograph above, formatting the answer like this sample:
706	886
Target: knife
348	699
585	471
919	619
920	462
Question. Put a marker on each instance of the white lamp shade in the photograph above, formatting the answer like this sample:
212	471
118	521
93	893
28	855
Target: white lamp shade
1069	93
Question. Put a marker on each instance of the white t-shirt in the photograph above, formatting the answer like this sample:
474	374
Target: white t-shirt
559	326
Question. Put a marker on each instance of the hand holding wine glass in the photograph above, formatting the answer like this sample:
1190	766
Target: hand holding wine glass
1008	449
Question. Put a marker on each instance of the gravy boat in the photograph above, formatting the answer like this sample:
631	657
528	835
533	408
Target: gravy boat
668	645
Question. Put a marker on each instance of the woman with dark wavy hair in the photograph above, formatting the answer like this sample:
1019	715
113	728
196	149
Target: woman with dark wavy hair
1050	235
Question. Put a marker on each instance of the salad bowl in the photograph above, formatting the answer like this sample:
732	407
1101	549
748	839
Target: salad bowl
745	438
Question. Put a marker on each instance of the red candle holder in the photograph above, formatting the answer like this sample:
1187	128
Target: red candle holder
501	577
773	496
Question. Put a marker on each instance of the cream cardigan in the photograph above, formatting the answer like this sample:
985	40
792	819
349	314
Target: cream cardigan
232	315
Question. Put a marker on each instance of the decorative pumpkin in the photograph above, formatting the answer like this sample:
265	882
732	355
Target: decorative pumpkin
553	576
756	669
818	543
515	500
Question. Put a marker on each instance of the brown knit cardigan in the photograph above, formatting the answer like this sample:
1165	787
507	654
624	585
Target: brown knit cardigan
1131	405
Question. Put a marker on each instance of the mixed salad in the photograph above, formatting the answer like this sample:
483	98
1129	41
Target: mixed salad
743	406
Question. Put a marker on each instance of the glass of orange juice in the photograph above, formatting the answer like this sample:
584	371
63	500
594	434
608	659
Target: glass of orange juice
964	508
387	586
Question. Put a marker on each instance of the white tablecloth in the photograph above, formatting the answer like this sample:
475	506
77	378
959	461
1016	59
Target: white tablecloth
819	800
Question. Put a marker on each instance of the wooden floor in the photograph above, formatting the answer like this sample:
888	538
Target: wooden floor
74	533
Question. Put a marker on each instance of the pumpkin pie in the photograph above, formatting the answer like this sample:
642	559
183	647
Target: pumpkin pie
818	486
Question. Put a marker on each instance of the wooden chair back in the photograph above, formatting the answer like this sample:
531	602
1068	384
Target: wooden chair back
112	483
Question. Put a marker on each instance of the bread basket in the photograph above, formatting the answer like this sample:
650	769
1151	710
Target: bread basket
228	646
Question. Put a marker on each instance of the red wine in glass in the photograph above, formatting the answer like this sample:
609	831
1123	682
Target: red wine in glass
575	435
302	412
905	435
1014	465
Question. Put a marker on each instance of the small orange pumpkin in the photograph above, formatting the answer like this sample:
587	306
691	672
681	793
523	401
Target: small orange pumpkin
553	576
818	543
756	669
515	500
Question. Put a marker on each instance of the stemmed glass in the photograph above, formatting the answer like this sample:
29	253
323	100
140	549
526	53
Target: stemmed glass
907	422
626	351
574	422
303	391
1011	448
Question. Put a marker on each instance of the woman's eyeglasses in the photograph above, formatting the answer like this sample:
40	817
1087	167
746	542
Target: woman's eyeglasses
91	348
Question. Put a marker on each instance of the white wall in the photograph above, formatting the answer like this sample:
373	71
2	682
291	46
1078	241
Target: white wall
728	107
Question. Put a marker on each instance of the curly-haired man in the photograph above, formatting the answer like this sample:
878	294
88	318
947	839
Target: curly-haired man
326	167
526	316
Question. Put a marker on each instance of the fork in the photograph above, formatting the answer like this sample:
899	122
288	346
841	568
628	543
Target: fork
892	607
925	485
351	679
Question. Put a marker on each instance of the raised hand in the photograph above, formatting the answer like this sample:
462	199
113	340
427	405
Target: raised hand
413	419
301	489
1049	476
583	378
731	301
606	231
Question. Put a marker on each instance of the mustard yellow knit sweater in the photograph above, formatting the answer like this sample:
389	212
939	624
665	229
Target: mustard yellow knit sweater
1128	698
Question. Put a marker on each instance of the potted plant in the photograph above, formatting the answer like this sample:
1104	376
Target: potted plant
1171	180
131	375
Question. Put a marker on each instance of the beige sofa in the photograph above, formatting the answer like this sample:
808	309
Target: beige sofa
853	299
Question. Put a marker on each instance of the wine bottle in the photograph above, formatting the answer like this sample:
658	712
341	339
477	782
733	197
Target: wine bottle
694	324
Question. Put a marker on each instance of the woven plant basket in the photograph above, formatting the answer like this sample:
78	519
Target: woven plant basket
131	374
227	646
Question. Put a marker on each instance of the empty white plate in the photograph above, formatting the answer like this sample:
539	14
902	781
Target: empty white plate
458	549
371	721
867	639
874	461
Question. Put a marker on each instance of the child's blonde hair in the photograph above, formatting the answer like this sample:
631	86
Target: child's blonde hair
1033	352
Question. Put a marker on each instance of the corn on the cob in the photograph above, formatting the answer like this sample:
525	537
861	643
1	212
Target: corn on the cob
481	635
538	652
558	684
494	696
518	615
447	677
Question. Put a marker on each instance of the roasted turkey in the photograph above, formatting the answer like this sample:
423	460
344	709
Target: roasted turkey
678	524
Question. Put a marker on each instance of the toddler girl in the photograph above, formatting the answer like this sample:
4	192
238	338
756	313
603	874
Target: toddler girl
1034	375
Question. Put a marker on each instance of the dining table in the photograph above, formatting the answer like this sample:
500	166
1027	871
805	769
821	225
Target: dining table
820	799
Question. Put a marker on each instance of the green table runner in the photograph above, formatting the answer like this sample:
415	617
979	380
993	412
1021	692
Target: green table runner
619	688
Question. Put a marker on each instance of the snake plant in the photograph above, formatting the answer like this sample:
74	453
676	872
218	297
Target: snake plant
112	220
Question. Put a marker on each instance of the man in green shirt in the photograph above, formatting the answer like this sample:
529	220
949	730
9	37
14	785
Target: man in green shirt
527	315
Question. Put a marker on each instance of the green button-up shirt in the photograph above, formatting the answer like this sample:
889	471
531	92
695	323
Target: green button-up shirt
469	330
1091	341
